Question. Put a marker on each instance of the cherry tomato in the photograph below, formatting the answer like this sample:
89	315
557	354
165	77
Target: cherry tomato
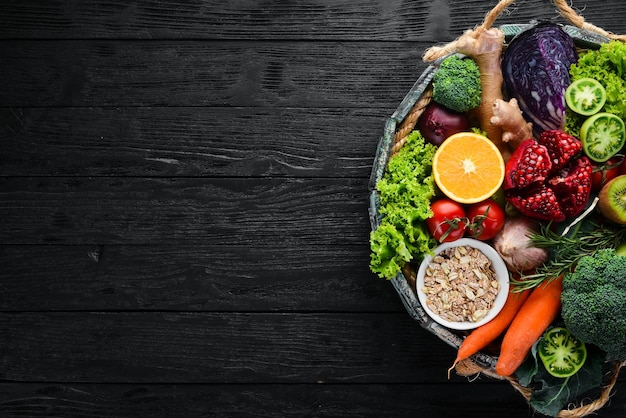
603	172
622	168
486	219
448	221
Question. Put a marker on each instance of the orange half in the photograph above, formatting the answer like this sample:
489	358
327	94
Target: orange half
468	167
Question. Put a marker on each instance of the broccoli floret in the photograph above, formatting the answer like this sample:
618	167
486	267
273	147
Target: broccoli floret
456	84
594	302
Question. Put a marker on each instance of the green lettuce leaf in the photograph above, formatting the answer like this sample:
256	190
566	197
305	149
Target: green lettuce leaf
608	66
390	250
404	192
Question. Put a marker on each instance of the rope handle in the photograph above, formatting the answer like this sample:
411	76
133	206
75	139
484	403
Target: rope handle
577	20
564	9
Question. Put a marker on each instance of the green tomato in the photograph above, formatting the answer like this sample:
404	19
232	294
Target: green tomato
621	249
585	96
561	353
602	135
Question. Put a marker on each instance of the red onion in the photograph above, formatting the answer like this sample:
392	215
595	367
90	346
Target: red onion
514	246
438	122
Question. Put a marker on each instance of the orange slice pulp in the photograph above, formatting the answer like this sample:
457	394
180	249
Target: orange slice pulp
468	168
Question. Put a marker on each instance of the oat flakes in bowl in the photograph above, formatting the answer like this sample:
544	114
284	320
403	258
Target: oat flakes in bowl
464	285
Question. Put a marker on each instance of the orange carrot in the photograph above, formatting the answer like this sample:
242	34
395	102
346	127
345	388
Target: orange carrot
534	317
482	336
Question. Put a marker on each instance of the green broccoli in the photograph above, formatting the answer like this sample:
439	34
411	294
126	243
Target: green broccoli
456	84
594	302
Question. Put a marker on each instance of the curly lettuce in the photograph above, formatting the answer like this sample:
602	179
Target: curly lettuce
405	192
608	66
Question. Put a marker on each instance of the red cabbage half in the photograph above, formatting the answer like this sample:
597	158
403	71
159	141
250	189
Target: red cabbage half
535	67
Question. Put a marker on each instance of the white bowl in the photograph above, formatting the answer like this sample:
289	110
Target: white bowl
502	275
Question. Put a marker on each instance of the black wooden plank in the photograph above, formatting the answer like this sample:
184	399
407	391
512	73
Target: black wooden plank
207	73
242	211
180	347
481	400
190	141
192	278
228	349
320	19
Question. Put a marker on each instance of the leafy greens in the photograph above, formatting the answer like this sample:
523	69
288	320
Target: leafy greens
608	66
405	192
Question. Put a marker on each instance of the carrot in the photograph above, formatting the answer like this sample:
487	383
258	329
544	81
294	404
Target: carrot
480	337
534	317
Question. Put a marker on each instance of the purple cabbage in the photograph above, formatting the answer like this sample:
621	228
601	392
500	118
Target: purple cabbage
535	67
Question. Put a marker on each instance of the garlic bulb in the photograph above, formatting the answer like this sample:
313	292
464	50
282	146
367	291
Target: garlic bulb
514	245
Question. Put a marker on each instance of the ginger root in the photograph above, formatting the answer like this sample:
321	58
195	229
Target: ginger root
508	117
485	47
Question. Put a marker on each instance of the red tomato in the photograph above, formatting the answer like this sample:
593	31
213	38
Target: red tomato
448	222
622	167
603	172
486	219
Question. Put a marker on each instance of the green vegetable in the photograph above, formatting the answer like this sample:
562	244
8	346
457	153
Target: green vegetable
562	354
405	192
607	65
602	135
566	249
456	84
593	302
585	96
552	394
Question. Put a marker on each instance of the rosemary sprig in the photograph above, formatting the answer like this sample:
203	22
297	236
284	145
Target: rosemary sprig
566	250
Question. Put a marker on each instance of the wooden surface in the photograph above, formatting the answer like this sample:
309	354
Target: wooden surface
183	205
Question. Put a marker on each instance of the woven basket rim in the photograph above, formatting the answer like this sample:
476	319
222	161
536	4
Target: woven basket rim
404	283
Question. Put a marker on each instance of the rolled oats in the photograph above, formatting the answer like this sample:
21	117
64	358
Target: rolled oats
460	284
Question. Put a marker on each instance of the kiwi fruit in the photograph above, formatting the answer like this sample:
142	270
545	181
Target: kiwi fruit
612	200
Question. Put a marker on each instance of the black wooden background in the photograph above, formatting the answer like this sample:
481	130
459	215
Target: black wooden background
183	209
